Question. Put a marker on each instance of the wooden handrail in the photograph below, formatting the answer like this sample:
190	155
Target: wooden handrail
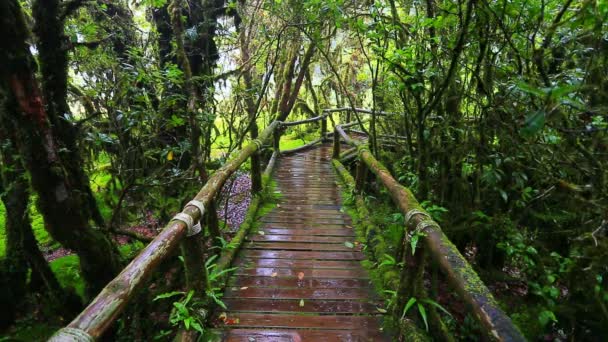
496	324
359	110
309	120
95	319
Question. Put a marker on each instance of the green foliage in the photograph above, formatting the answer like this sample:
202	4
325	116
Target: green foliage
186	312
421	309
67	271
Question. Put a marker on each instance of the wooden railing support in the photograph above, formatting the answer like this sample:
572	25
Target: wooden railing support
194	265
336	152
112	300
360	176
256	173
276	140
324	128
496	324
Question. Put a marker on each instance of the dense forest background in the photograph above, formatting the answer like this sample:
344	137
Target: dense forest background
113	113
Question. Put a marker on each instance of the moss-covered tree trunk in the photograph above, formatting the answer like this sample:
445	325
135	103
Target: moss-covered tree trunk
245	35
52	44
13	192
48	151
22	252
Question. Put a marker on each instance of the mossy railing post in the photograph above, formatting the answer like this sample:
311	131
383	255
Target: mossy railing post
196	278
256	168
276	140
336	153
324	128
360	176
256	173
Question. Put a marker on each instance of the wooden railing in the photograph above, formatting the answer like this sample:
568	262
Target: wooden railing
496	325
104	309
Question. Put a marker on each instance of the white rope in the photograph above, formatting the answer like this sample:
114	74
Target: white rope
71	335
421	226
187	219
258	143
199	205
410	214
195	229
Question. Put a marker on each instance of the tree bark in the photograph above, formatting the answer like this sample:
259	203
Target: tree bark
56	175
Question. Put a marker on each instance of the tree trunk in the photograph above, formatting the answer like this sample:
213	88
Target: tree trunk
56	175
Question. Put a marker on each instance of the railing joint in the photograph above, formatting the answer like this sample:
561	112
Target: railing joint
68	334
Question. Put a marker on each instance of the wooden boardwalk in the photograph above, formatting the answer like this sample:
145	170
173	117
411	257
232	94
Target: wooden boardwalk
299	277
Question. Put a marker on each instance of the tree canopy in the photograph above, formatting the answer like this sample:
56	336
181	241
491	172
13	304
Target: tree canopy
494	114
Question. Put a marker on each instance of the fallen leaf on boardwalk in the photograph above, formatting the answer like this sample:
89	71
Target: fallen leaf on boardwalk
223	316
349	227
301	303
261	232
274	274
231	321
278	205
381	310
357	243
301	275
349	244
244	288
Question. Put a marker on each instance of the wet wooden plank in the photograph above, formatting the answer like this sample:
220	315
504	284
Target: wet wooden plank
293	306
315	221
251	281
303	272
299	293
286	225
300	321
304	246
249	335
289	263
307	255
299	238
346	232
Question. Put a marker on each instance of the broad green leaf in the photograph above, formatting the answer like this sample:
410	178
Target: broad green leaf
422	311
533	124
546	316
407	307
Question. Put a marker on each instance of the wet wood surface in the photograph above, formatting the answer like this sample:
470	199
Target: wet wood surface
299	276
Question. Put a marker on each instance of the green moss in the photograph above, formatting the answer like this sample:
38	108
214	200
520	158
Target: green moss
130	250
67	270
294	140
30	330
390	279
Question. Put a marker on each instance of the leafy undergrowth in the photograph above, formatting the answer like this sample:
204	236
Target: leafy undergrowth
383	264
509	288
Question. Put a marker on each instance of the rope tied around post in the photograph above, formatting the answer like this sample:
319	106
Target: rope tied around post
68	334
420	227
193	229
410	215
259	144
361	149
